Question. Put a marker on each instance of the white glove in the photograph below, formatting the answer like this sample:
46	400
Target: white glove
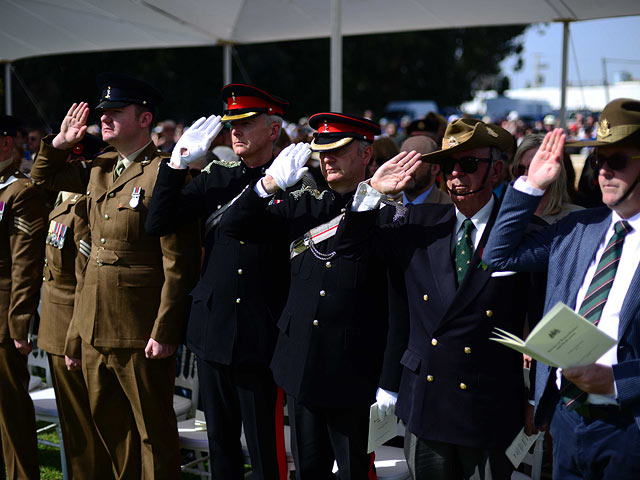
288	167
195	142
386	401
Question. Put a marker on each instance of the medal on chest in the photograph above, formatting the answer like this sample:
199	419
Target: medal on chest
135	197
57	234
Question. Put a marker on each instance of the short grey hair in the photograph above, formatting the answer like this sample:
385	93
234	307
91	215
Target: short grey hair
269	119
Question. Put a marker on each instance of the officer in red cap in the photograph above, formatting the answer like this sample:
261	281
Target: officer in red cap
242	288
332	355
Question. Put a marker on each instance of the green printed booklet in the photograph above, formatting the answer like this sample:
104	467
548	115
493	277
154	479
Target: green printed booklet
562	338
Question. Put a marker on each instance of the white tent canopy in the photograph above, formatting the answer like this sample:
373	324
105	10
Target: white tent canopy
45	27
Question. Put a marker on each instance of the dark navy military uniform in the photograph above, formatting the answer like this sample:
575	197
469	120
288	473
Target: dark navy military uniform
232	325
332	351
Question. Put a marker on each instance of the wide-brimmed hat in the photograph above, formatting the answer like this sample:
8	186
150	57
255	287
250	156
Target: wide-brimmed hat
619	120
469	133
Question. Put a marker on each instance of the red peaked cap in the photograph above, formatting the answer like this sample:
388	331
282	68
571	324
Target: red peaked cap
246	101
335	130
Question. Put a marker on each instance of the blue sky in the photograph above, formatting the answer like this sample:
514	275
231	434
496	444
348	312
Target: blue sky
617	38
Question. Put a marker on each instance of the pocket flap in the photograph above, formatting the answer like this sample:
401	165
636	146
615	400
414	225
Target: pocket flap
411	361
201	292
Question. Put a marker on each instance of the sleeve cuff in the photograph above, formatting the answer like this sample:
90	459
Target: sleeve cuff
522	186
259	189
366	198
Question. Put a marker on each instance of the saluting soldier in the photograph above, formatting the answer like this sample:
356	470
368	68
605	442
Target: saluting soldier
68	245
132	307
338	349
462	395
22	233
242	289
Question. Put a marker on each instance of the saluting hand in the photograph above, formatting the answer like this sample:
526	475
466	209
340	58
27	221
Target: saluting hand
73	126
156	350
288	167
546	165
195	142
394	175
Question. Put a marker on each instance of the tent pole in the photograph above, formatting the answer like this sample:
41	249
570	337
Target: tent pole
8	107
336	56
226	64
563	82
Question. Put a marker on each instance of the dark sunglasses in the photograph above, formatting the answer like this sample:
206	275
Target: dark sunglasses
617	161
467	164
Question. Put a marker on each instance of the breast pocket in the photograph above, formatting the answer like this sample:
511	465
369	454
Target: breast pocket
126	219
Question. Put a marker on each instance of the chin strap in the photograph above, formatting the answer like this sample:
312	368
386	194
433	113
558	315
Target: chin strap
626	194
484	179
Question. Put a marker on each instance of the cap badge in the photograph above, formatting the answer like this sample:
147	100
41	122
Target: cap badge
326	126
452	141
604	128
108	94
233	98
492	133
421	126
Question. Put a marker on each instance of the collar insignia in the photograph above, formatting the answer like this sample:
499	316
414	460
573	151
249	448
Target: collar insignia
604	128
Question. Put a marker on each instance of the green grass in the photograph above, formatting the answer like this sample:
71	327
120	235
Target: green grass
49	458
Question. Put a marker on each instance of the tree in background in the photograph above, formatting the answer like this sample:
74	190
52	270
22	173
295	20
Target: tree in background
446	66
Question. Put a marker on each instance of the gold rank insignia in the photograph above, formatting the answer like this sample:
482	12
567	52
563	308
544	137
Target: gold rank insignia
492	133
108	94
452	141
604	128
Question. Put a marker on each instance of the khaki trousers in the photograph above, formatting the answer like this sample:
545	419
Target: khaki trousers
17	417
131	401
86	456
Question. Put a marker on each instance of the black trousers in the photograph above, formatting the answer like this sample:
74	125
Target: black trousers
446	461
321	435
237	396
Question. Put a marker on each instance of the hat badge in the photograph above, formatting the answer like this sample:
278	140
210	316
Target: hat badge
233	98
326	126
108	94
491	132
452	141
604	128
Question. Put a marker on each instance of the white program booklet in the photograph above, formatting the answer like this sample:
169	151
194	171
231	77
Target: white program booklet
520	447
381	428
562	338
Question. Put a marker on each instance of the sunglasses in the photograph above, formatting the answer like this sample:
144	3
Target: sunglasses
617	161
467	164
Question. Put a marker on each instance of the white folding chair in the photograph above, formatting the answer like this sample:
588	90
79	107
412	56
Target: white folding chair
195	440
186	378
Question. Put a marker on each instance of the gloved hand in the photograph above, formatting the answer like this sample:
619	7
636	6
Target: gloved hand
288	167
386	401
195	142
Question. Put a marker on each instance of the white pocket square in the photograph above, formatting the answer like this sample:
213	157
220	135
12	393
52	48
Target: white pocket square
506	273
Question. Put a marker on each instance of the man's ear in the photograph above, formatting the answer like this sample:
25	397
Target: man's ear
6	144
497	167
275	131
145	119
367	153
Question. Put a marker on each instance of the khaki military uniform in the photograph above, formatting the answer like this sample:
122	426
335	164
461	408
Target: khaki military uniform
135	288
22	232
68	245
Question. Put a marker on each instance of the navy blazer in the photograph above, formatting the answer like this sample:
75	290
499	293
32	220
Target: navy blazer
457	386
566	249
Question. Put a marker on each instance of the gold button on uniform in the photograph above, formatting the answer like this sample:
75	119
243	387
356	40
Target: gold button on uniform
489	313
102	240
425	297
111	195
238	300
106	217
467	350
434	342
429	378
240	271
463	386
328	265
315	323
322	293
241	242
